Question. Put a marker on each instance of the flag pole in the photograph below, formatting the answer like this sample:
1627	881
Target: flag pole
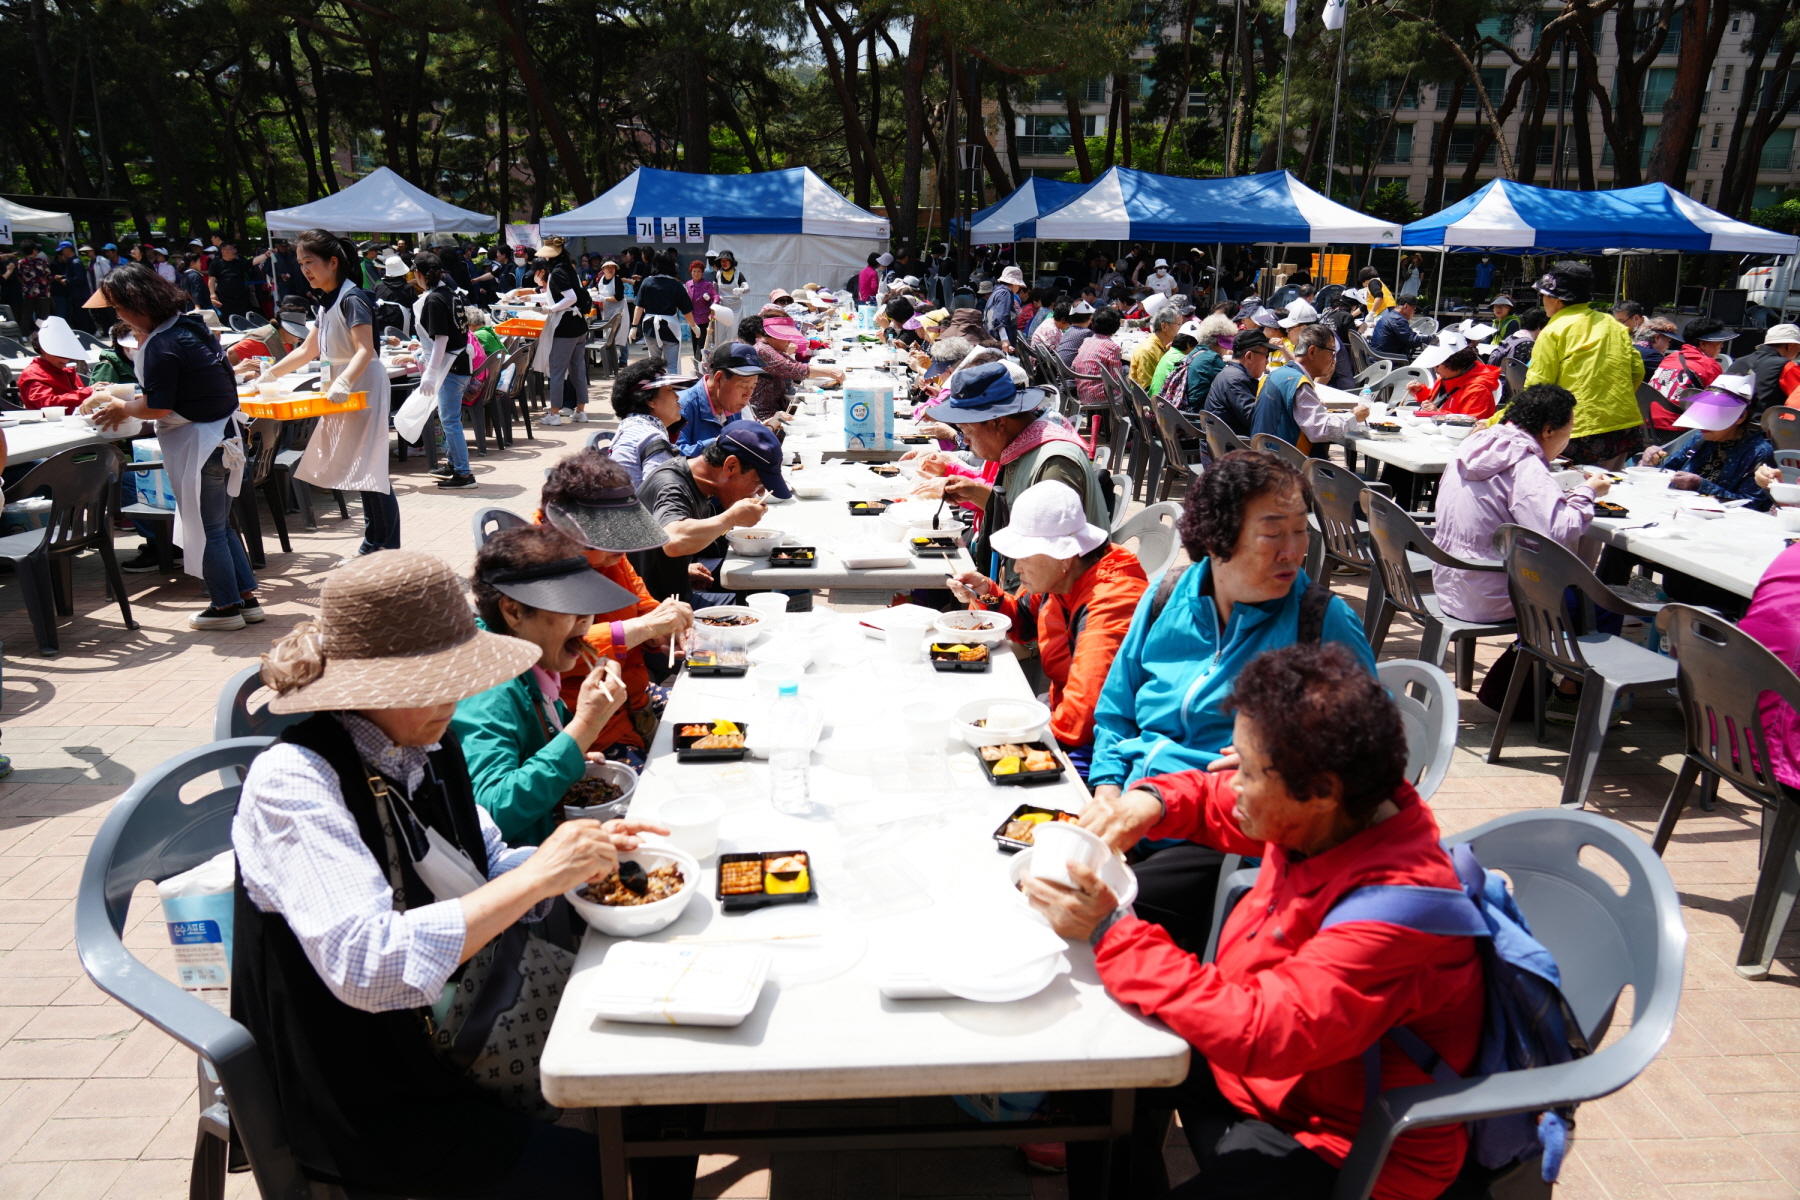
1287	71
1337	93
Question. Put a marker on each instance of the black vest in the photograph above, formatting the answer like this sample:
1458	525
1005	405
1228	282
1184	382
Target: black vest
366	1100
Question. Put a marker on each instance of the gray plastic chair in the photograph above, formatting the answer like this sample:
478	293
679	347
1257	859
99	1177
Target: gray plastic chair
1403	550
1374	373
1782	424
1289	453
486	522
150	834
234	718
83	485
1335	493
1429	711
1538	574
1154	528
1220	438
1724	674
1177	435
1602	942
1513	372
1118	493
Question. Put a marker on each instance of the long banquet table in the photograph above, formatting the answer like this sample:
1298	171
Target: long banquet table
1731	552
906	848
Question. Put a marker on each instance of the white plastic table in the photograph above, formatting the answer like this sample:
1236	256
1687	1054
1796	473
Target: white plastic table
908	849
1731	552
40	439
1420	453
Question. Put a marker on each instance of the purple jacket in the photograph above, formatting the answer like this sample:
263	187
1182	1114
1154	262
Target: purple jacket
1774	620
1499	478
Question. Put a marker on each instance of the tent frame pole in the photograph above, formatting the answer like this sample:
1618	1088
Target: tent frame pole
1437	300
1337	95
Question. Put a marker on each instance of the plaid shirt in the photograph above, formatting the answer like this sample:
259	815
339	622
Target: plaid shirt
34	277
300	854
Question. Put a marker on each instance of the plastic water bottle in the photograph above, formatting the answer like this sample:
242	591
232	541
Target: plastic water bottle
790	752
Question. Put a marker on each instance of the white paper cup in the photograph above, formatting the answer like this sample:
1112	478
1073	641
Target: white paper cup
906	641
770	606
56	412
810	459
927	726
1060	845
1789	518
693	822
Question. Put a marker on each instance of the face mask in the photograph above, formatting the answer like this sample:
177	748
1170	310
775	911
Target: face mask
446	870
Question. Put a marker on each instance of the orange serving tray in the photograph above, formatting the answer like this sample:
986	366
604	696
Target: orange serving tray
302	406
514	327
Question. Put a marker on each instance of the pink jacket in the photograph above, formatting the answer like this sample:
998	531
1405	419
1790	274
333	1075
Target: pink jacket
1499	478
1774	620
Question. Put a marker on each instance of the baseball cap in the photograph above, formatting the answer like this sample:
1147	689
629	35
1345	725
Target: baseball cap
1780	335
757	447
1047	519
1299	313
1250	339
110	246
736	358
1449	342
65	244
1712	409
885	259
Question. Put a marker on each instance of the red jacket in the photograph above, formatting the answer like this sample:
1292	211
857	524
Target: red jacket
44	386
1285	1013
1472	392
1077	635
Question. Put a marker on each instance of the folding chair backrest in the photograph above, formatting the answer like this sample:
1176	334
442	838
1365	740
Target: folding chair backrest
1361	357
1335	492
1513	371
1428	711
1646	396
1783	426
1154	528
1539	573
234	718
80	482
1392	532
1374	373
488	521
1220	438
1289	453
1724	674
1118	494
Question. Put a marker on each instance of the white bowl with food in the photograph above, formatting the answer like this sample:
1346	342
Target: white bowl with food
1785	493
1001	719
726	627
755	542
1651	477
671	876
602	804
1113	873
811	489
972	627
1456	431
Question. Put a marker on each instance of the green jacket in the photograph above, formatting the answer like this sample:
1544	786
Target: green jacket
1590	354
519	773
111	367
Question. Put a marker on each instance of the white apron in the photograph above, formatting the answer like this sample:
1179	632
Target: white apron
349	451
410	421
185	448
540	358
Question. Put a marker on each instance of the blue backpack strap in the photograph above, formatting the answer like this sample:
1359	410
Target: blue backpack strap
1447	912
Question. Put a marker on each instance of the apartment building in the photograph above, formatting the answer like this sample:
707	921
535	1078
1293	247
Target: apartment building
1042	133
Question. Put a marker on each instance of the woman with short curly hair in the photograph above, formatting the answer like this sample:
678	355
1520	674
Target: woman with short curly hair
1164	707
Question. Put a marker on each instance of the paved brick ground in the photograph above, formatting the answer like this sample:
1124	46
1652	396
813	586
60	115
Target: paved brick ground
94	1103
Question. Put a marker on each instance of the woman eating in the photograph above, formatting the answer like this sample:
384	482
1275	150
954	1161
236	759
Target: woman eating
1721	450
777	340
648	408
589	498
347	451
189	391
524	746
1279	1021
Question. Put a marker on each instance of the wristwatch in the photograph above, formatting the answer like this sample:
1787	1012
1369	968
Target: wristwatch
1111	919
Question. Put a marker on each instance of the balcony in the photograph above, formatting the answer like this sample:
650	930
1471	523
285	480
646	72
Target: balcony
1042	143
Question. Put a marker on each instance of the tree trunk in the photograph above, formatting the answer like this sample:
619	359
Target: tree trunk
905	223
282	56
736	125
1440	151
541	105
1489	135
321	89
1112	120
1312	144
1769	116
73	169
1125	123
696	94
1531	129
540	163
1178	103
1623	119
1078	143
1009	123
856	135
978	137
1681	115
1731	184
1267	158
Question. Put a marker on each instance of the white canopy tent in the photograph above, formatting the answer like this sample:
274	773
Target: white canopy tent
380	202
34	220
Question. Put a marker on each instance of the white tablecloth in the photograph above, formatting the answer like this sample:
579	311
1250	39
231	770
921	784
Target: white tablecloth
1731	552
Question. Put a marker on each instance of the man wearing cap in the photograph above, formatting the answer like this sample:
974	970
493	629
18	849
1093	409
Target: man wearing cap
1692	365
1393	333
1076	598
1232	396
698	500
1288	406
1081	315
1590	354
719	398
367	877
1772	365
51	380
1000	315
1150	351
1005	424
108	259
1720	456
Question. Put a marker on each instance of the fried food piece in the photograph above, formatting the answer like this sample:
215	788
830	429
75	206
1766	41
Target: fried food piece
744	878
720	741
695	730
1040	760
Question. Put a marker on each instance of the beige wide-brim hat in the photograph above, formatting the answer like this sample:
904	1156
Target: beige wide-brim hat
394	631
551	247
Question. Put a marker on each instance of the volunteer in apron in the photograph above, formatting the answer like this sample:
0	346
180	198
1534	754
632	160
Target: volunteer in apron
561	351
347	451
191	394
662	304
443	325
609	292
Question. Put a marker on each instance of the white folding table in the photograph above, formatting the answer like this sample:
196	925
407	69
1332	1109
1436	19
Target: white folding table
1730	552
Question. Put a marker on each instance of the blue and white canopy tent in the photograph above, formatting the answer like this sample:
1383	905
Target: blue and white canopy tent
1517	218
1272	208
1014	219
785	228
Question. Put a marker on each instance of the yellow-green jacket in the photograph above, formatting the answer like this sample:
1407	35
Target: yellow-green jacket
1590	354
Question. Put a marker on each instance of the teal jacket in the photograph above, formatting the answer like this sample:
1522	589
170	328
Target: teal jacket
1163	707
519	774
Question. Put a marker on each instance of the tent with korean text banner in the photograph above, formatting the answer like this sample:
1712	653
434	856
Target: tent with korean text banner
785	228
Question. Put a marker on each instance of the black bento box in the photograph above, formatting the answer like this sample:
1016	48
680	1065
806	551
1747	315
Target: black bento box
706	662
1022	777
947	660
733	902
794	556
1013	845
867	508
935	546
684	744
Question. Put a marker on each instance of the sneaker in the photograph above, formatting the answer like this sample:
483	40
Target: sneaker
458	482
1560	709
142	564
581	416
443	471
251	611
229	617
549	418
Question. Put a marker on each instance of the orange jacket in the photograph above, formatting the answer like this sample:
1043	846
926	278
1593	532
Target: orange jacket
619	730
1077	636
1471	393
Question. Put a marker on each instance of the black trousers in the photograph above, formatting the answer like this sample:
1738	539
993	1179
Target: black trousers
1176	885
1240	1157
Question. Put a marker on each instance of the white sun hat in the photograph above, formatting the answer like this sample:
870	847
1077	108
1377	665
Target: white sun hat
1048	519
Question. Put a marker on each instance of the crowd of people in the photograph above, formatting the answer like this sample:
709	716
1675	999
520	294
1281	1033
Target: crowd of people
407	836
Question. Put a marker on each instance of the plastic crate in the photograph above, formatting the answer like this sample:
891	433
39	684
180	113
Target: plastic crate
302	406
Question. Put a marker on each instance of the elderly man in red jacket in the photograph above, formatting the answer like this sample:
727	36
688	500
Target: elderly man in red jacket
50	381
1280	1020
